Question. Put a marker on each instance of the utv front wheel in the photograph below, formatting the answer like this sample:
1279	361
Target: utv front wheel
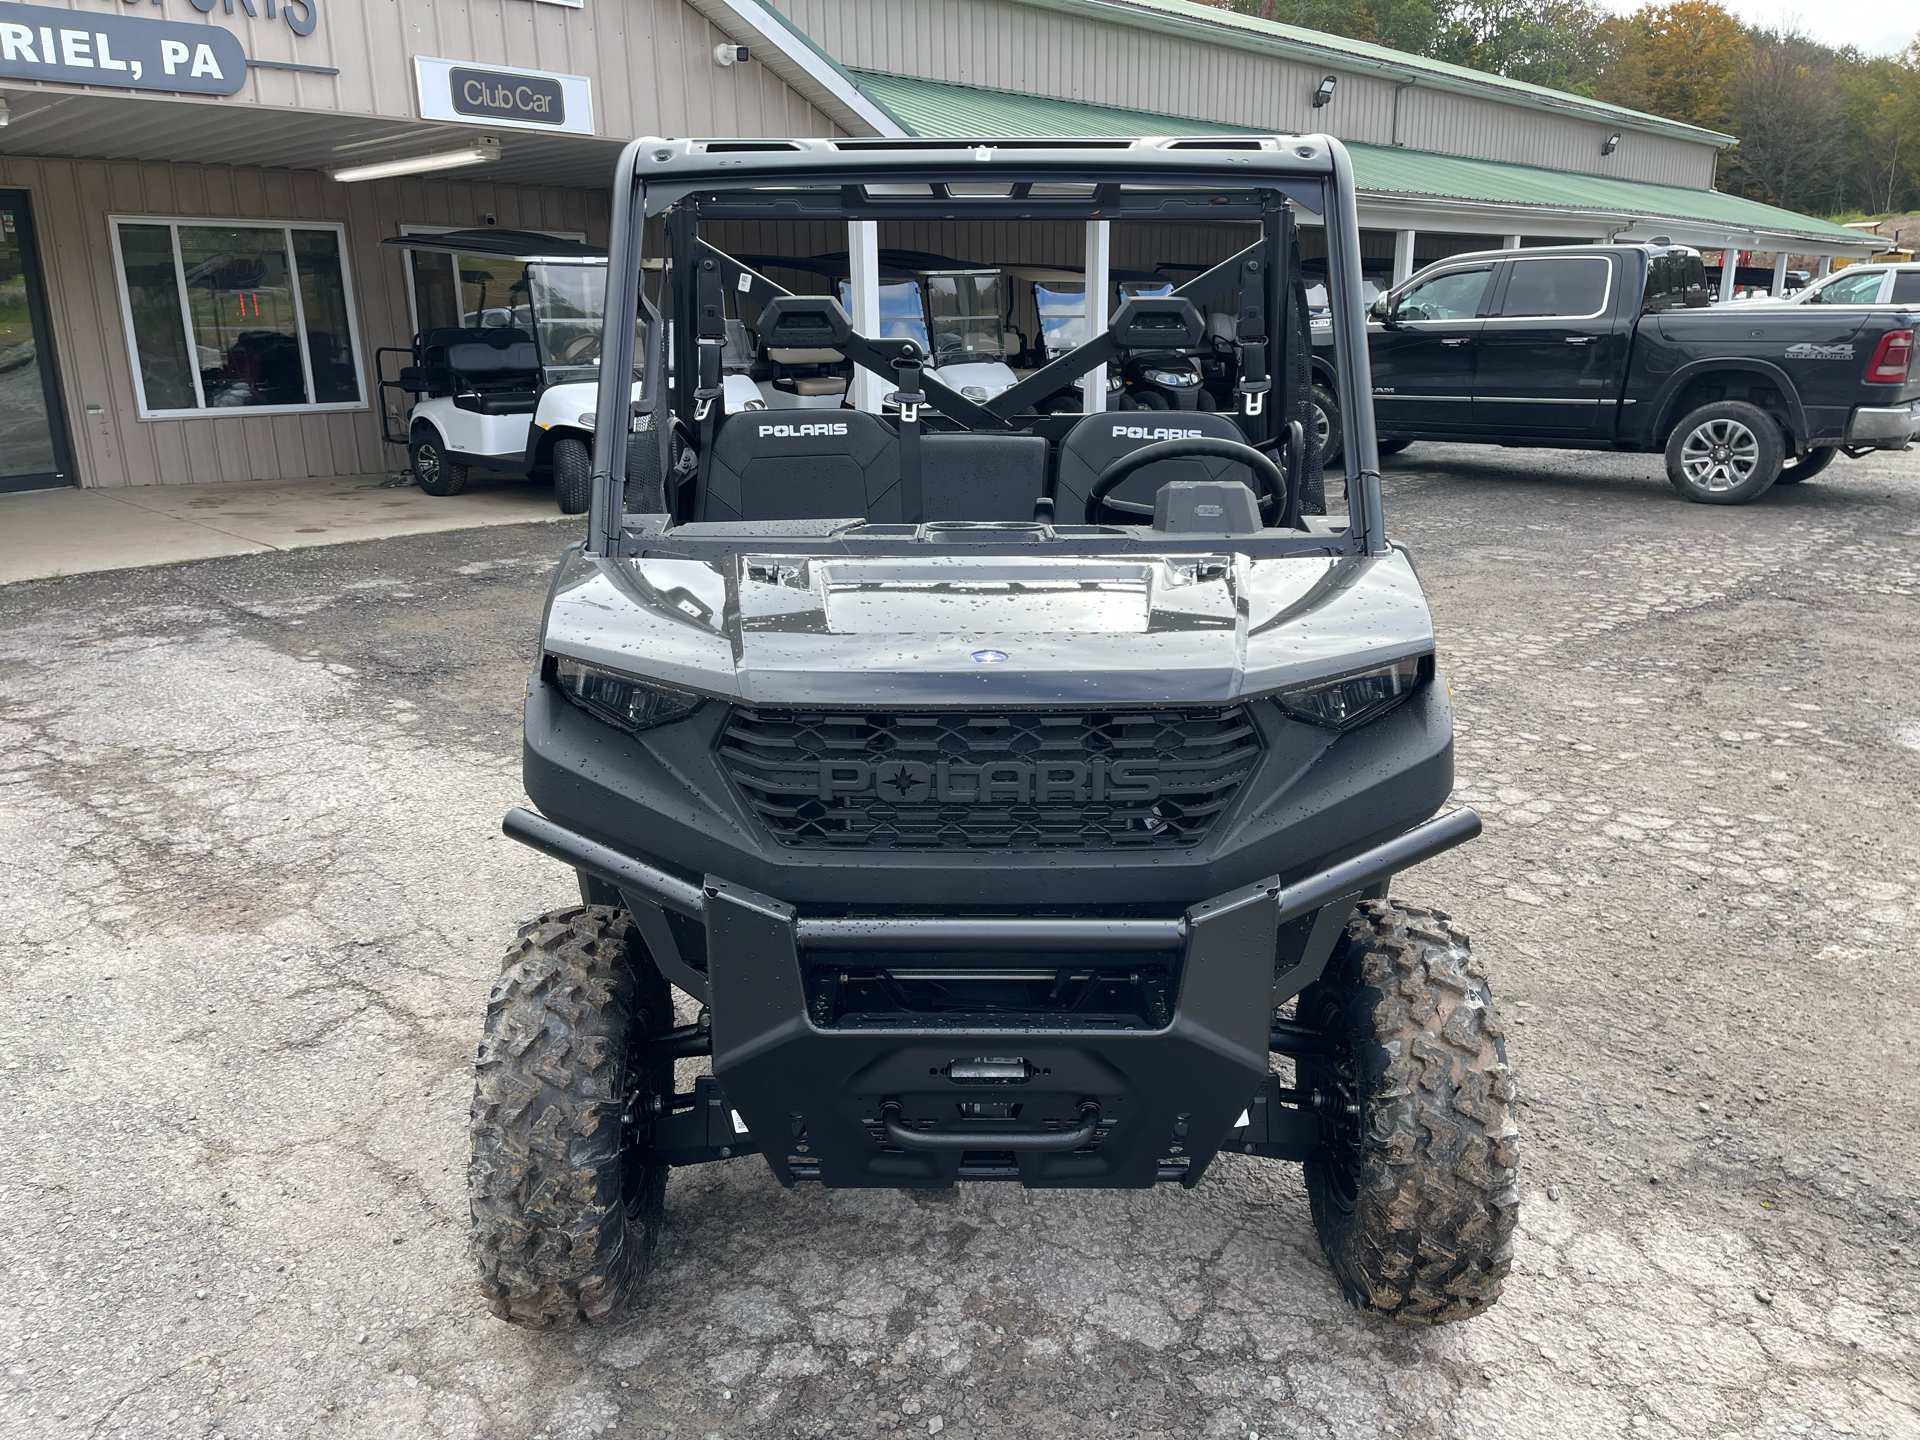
572	474
1415	1195
565	1208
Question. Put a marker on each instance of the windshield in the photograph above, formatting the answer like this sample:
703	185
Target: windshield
1062	308
566	313
966	309
901	317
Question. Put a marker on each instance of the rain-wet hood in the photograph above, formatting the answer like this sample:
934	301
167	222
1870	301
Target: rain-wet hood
771	628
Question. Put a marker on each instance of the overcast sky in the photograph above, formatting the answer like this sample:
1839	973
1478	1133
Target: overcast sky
1878	27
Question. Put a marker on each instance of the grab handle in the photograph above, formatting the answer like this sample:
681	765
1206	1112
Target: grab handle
990	1139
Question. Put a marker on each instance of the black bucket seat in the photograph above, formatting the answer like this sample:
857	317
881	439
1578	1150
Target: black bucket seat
1100	439
798	465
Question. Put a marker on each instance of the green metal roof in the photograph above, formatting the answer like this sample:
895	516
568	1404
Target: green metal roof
1220	26
926	107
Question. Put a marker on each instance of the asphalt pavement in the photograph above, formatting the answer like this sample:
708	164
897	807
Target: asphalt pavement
255	896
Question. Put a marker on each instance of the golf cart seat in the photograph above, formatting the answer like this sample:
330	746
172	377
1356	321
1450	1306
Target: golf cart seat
491	378
788	465
1100	439
800	372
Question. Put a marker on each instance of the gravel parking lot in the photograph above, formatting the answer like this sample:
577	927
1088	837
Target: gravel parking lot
255	896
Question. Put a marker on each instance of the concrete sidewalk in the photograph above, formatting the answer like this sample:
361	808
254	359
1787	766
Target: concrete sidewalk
45	533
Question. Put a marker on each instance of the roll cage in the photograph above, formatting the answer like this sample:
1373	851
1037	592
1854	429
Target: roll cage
681	183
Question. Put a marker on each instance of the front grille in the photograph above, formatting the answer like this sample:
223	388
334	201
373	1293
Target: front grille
1147	779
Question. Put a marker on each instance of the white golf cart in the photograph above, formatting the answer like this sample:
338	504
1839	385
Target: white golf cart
511	386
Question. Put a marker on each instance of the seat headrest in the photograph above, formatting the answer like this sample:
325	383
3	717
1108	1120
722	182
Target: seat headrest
472	357
1157	322
805	322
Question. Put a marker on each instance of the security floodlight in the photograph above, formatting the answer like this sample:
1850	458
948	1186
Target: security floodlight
1610	144
1323	92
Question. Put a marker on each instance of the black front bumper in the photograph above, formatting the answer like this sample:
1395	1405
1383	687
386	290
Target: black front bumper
1053	1099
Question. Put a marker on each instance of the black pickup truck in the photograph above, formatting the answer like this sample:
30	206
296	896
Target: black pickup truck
1618	347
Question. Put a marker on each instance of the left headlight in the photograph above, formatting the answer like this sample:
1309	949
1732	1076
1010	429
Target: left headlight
587	417
1349	700
620	699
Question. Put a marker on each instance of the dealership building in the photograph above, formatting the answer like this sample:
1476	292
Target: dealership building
193	193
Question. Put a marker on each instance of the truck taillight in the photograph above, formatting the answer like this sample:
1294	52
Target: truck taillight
1891	359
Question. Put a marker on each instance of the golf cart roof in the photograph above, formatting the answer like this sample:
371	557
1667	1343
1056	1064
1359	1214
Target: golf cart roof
529	245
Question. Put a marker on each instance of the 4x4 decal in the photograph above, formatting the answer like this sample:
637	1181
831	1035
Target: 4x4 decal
1808	350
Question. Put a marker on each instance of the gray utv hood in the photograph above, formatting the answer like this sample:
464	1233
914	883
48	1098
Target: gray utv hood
976	629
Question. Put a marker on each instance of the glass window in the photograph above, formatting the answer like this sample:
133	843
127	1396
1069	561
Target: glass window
1906	287
1569	287
153	314
1676	282
231	315
1856	287
470	292
1453	296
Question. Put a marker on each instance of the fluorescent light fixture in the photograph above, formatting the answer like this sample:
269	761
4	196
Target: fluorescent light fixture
5	113
475	153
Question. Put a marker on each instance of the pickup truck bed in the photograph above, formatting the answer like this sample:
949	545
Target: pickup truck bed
1616	347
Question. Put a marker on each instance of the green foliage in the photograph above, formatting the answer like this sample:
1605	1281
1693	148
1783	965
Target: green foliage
1820	129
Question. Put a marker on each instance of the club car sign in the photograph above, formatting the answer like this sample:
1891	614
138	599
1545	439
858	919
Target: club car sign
82	47
494	96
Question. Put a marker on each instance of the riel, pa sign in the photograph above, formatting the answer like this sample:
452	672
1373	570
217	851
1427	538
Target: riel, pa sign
82	47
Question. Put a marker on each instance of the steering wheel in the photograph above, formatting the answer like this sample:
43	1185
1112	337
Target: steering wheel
1273	484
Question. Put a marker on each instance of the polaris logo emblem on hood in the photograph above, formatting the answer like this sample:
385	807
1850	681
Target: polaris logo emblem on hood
1141	432
989	657
1807	350
1000	782
788	432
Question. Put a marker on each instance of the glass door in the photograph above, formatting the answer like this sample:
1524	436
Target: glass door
33	437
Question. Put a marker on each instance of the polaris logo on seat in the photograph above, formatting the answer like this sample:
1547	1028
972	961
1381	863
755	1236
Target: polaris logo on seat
1141	432
787	432
999	782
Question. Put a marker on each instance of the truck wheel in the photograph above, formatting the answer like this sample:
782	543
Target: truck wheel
1726	453
572	474
1416	1193
565	1212
1327	426
1807	466
432	471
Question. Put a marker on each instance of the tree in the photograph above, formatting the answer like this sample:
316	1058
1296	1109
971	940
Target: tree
1786	104
1543	42
1679	61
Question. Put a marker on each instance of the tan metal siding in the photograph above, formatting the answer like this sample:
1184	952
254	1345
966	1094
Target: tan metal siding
71	202
650	61
1487	129
1000	45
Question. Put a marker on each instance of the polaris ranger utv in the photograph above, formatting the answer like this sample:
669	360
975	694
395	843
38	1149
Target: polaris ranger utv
1015	795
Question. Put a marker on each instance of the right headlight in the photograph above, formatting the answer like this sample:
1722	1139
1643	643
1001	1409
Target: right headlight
621	700
1345	701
